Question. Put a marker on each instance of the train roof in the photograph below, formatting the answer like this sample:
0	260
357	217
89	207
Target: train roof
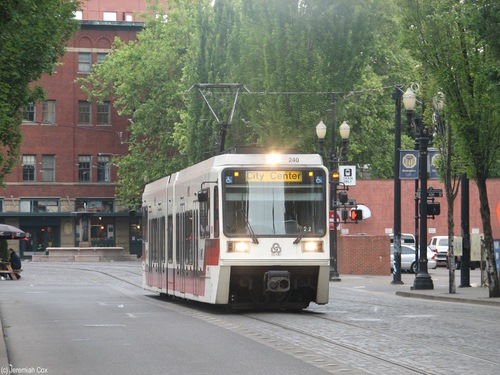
236	160
267	159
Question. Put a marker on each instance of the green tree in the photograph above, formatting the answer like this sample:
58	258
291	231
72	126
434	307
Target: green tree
4	250
32	39
283	46
145	77
292	54
446	37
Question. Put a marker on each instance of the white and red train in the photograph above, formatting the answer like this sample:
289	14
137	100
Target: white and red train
241	230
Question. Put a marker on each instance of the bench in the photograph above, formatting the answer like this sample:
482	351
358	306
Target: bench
6	268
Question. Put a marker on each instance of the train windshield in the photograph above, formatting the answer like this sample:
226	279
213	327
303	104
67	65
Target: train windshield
263	202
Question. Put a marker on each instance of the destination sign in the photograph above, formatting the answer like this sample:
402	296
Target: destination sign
273	176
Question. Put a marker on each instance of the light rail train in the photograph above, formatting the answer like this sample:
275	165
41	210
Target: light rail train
240	230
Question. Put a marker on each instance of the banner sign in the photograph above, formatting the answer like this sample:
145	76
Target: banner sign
434	156
408	165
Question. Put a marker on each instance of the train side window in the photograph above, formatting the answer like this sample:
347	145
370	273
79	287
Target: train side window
170	241
177	237
161	248
153	244
145	223
216	212
188	237
205	216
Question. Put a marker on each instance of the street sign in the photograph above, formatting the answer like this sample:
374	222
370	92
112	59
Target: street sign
431	193
347	175
334	220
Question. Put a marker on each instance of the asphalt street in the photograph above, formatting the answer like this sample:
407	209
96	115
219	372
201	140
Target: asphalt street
107	301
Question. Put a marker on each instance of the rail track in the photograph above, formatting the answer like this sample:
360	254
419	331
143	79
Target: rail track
337	341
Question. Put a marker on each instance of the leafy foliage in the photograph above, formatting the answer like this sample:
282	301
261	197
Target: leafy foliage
290	55
4	250
145	77
32	39
459	56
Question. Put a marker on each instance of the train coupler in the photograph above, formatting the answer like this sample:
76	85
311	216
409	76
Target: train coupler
277	281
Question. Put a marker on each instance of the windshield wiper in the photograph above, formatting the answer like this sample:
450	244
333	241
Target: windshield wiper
308	224
249	227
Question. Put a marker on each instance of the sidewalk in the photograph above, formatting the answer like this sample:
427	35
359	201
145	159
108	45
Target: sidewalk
376	284
474	294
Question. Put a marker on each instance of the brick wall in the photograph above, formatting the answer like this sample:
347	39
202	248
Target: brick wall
363	255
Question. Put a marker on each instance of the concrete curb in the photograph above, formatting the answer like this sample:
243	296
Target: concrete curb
4	358
449	298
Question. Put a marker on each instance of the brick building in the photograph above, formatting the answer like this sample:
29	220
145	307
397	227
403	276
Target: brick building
63	188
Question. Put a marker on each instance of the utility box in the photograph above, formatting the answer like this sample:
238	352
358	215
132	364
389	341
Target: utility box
476	240
475	249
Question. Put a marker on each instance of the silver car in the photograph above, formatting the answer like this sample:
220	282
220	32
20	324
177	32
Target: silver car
408	262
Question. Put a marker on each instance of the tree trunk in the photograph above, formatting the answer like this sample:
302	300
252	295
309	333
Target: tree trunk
491	267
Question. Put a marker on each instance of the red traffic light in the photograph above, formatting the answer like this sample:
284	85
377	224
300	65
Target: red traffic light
356	214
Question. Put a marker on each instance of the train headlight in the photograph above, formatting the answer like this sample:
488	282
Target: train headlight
273	159
238	247
312	246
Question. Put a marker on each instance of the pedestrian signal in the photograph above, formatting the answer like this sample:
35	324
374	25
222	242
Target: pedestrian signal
356	214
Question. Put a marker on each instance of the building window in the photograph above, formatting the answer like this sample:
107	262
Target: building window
94	205
109	16
48	168
84	168
103	168
39	205
78	15
84	112
103	113
101	56
29	167
84	62
29	113
49	112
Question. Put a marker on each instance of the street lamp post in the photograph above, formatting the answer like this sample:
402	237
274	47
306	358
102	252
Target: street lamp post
422	280
396	276
334	162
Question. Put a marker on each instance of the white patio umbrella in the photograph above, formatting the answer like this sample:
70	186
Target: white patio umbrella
10	232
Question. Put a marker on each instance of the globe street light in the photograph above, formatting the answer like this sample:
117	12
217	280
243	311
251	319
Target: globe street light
422	280
334	161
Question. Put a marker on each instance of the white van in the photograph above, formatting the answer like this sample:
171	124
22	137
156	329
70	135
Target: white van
407	239
439	244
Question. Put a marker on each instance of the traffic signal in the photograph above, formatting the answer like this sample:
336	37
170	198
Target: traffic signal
356	214
344	215
343	198
335	177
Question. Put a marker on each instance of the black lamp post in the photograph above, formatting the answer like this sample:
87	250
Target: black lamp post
334	161
422	280
396	276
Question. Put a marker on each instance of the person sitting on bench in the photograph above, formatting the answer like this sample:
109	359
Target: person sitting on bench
15	262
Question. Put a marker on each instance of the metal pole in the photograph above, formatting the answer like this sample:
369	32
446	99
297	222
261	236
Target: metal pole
334	162
396	276
417	204
423	280
465	232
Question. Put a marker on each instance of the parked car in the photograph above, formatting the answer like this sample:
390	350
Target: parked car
408	262
439	244
407	239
